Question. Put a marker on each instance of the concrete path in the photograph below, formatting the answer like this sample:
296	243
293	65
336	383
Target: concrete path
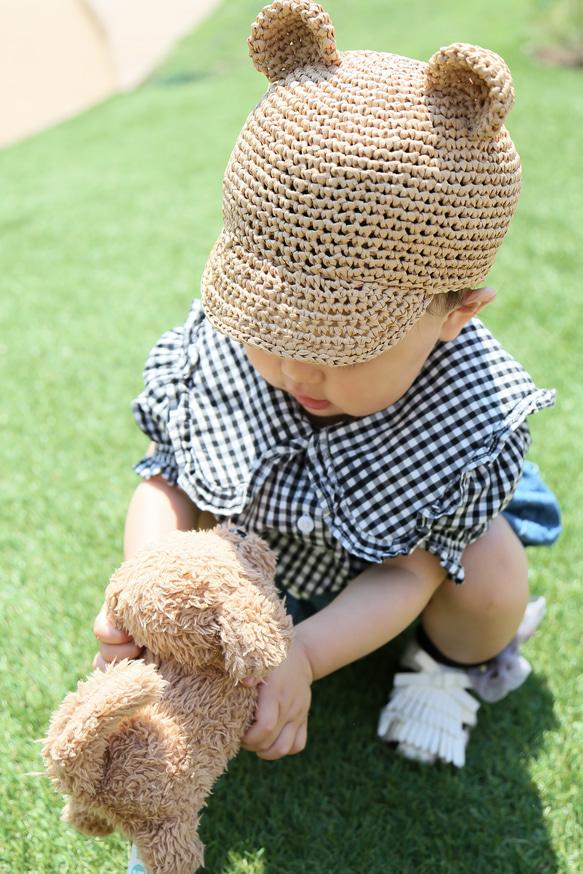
59	57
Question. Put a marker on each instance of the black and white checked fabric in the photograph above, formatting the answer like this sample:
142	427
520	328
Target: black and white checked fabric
431	471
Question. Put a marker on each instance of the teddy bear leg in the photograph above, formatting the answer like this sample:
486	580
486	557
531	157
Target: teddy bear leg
170	847
82	819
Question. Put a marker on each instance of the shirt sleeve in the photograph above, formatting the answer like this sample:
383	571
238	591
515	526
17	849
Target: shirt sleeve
486	492
153	407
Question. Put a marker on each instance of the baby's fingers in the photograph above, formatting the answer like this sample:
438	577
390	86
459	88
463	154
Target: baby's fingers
106	632
291	740
114	643
108	653
266	727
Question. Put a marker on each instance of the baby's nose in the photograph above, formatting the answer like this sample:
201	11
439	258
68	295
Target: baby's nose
302	371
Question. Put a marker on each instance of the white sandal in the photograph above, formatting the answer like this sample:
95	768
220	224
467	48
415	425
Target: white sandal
430	711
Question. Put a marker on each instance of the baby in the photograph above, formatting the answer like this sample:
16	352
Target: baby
335	393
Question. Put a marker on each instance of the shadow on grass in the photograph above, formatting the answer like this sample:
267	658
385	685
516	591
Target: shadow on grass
348	805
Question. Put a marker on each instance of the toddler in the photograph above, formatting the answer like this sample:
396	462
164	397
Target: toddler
335	393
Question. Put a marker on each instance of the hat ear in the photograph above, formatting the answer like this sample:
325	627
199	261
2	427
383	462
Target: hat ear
475	84
290	35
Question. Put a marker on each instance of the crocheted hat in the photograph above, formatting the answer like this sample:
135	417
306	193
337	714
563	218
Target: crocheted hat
362	185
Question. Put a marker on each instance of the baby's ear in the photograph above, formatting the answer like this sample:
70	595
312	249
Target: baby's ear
474	302
470	87
290	35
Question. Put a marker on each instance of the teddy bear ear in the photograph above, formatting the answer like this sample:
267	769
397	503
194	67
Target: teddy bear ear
255	645
255	629
473	86
290	35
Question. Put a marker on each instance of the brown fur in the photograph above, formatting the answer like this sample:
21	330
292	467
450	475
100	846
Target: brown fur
139	746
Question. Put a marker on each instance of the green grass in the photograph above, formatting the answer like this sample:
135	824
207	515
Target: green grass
106	222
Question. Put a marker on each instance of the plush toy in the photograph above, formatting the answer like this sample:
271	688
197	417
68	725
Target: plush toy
139	746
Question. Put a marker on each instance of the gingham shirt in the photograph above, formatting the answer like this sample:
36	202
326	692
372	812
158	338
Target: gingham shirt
430	471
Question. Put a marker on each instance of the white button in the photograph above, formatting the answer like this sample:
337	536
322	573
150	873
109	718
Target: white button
306	524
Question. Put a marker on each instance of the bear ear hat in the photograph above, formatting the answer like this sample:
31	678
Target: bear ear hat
470	87
290	35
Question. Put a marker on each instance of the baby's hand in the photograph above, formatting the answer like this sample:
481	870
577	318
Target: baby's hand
114	643
281	719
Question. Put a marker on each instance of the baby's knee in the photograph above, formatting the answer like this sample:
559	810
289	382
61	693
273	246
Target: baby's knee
496	570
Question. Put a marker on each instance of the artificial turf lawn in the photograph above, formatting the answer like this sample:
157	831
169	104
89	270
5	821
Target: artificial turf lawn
106	223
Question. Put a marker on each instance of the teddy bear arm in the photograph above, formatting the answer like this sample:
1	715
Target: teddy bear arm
169	846
80	730
76	814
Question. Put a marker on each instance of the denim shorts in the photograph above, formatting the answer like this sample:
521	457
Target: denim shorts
533	514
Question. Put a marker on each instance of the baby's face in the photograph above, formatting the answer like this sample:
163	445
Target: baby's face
356	389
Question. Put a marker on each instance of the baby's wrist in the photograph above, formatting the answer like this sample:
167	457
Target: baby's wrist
300	652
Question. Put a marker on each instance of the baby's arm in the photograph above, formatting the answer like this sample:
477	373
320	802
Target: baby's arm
155	510
373	609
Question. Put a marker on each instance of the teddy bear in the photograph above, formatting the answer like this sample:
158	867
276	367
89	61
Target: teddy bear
139	746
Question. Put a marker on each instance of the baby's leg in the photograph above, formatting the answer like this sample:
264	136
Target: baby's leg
430	712
473	622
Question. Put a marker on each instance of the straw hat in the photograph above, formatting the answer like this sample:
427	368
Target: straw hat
361	185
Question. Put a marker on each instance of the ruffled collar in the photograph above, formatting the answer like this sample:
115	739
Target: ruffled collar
456	416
